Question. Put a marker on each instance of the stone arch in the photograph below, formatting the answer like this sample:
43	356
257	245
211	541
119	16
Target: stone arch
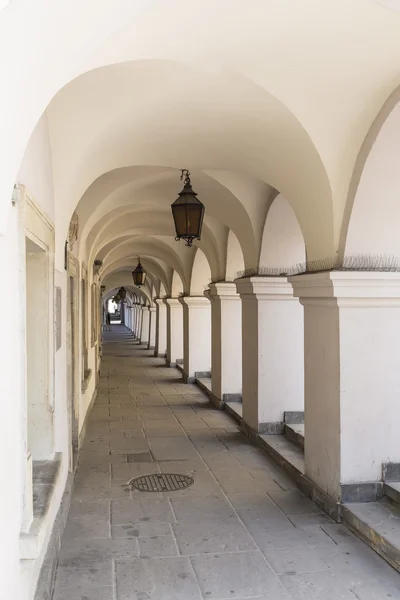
370	233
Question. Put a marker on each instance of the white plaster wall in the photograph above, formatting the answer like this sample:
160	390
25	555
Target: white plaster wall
36	170
12	423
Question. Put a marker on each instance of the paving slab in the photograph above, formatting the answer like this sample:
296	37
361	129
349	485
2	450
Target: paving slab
242	530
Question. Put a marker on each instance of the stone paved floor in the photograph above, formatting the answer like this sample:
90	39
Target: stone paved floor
241	531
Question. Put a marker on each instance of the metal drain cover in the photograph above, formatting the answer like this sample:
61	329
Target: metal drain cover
162	482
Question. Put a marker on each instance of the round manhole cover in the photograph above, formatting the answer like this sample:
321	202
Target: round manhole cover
162	482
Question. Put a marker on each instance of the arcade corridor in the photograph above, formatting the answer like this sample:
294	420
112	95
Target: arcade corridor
241	531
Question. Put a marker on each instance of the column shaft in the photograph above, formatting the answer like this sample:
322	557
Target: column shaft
152	329
174	331
161	329
145	331
226	341
272	352
352	378
139	321
196	337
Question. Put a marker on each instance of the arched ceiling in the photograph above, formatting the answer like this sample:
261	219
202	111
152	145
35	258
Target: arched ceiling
281	101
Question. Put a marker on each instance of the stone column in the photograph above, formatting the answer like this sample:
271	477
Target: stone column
145	331
134	308
272	352
139	321
226	341
152	328
196	337
174	331
161	329
352	378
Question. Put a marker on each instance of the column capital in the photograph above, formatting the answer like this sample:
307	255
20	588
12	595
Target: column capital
171	301
194	301
226	289
348	288
152	309
159	301
273	288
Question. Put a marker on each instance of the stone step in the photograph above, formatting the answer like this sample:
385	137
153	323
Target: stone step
285	453
377	524
295	433
391	489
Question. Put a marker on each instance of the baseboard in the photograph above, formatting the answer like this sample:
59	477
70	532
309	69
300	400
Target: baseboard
362	492
232	397
391	471
272	428
293	417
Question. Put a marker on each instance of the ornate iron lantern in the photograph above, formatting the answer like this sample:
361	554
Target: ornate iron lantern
122	294
139	275
188	212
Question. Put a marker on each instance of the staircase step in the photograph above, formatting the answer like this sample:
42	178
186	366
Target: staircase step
295	433
391	489
378	524
286	454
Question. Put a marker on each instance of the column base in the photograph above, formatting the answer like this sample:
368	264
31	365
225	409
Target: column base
171	364
187	379
160	354
231	397
270	445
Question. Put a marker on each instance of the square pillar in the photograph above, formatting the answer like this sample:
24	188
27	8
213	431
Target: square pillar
134	309
226	341
196	337
161	329
145	331
139	321
174	331
152	328
272	352
352	378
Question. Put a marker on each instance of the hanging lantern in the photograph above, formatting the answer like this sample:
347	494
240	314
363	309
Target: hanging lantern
139	275
122	293
188	212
